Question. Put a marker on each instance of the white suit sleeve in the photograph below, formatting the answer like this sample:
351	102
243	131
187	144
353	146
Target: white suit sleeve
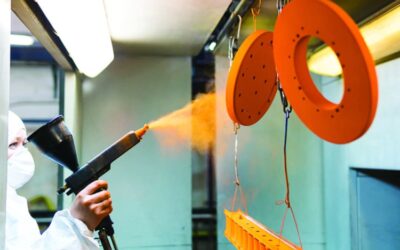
66	232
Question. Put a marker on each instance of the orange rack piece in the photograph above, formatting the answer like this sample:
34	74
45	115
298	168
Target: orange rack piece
247	234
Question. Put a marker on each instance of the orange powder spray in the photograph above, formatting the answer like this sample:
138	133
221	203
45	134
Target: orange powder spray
195	122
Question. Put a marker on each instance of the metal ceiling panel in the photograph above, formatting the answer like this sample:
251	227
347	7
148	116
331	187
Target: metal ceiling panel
154	27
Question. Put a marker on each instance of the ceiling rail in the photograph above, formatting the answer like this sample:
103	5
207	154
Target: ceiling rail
228	21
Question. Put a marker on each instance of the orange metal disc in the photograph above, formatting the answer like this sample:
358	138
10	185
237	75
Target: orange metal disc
338	123
251	85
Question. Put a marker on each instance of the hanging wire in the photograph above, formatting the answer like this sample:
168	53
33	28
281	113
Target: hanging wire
287	197
238	188
287	109
236	129
232	49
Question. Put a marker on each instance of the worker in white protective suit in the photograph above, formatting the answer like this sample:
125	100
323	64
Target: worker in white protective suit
70	228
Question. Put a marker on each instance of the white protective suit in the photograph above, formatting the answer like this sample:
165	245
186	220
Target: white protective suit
22	231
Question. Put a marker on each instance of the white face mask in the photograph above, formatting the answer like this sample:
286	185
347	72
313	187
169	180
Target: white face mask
20	168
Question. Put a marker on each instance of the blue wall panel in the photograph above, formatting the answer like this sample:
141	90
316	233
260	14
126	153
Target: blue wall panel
375	206
150	184
377	149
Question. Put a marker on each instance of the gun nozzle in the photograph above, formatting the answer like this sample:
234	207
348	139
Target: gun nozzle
140	132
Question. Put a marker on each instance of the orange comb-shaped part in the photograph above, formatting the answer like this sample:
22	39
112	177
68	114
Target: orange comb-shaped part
247	234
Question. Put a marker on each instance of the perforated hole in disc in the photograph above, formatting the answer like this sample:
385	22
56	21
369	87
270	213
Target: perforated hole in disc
251	85
341	122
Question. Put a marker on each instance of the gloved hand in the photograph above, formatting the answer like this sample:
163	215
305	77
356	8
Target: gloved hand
91	207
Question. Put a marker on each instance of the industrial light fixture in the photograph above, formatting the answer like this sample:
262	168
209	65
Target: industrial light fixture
212	46
83	29
382	36
21	40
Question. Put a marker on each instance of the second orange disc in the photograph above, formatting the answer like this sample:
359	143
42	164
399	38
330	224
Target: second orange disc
251	85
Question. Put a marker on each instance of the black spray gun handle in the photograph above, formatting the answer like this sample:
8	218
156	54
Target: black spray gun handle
105	228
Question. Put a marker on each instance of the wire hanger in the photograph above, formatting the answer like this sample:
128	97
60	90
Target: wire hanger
255	12
287	109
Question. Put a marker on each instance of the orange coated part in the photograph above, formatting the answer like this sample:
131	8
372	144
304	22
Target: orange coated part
140	132
251	85
338	123
247	234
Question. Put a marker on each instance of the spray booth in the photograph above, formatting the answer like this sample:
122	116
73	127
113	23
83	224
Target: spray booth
263	124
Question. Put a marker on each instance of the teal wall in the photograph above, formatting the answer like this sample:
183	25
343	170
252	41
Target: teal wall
377	149
73	119
261	171
150	185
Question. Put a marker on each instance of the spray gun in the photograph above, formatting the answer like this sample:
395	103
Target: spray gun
55	141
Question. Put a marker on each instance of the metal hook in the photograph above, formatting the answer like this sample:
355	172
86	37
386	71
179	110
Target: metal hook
287	108
280	4
256	12
236	127
233	41
239	27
